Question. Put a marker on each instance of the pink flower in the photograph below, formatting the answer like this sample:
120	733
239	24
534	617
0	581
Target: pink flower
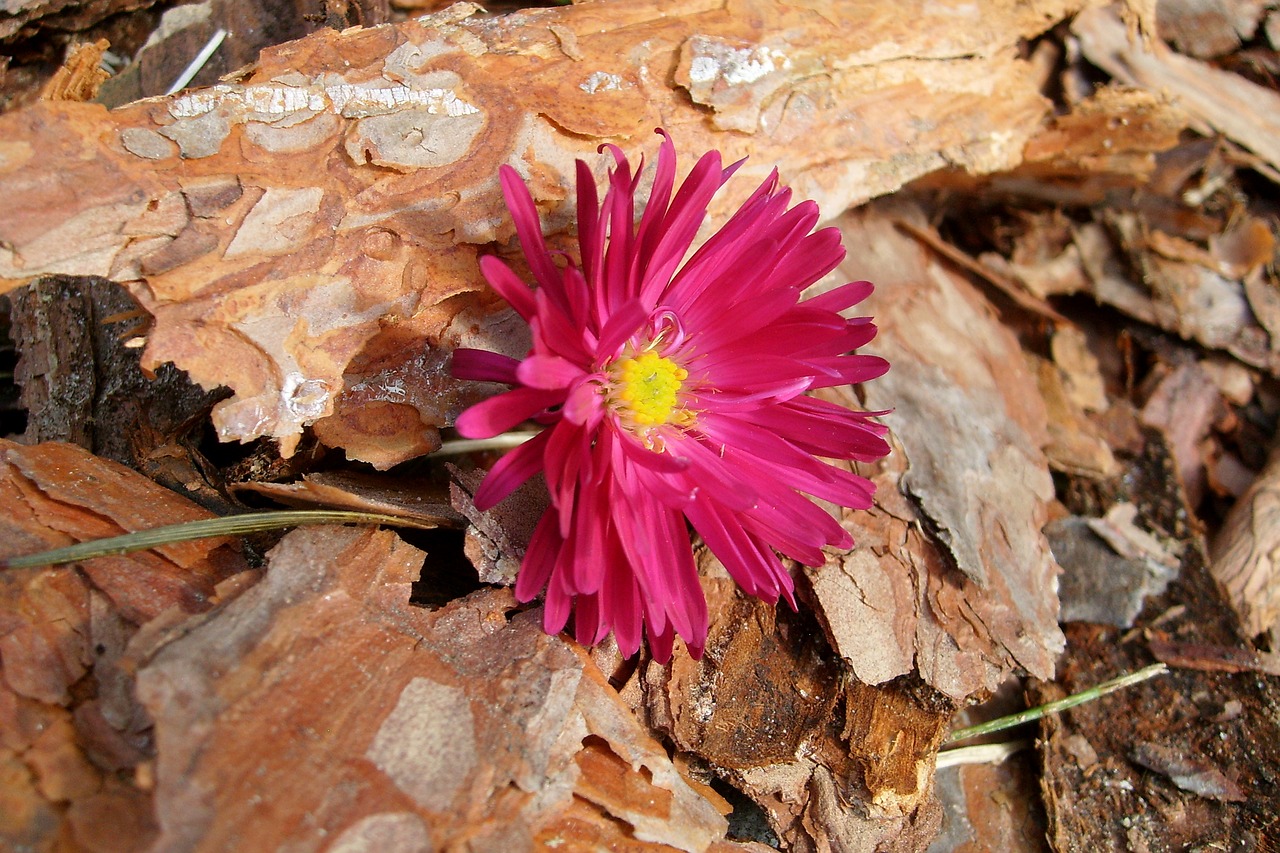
673	391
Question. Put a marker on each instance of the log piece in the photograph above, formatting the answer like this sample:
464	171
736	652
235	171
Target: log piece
307	235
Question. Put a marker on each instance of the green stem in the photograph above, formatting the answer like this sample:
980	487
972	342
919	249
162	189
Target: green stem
232	525
1036	713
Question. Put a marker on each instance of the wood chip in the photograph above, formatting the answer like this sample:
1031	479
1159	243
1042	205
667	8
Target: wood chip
1189	774
1246	553
1242	111
81	74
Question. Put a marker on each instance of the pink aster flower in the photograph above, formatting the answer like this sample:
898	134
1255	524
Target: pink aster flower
673	391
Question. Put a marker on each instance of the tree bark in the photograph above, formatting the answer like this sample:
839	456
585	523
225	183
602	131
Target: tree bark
307	235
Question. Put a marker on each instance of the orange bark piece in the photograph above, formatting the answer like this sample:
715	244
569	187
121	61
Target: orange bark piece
44	631
62	494
62	772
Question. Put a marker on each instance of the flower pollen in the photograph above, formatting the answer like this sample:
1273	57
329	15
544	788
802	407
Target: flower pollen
647	389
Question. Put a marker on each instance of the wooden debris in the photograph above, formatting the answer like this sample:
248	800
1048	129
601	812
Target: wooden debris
30	14
496	539
249	26
998	815
1206	29
1076	444
80	76
419	500
1244	554
58	494
1107	143
1095	794
1185	405
1188	773
1099	584
82	383
1212	658
72	728
306	233
1225	102
766	705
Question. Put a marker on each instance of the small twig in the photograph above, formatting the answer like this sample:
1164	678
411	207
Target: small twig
208	528
1004	284
215	41
506	441
983	753
1060	705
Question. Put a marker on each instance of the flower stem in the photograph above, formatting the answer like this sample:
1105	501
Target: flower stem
505	441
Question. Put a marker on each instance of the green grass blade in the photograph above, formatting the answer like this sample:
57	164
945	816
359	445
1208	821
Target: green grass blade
1059	706
232	525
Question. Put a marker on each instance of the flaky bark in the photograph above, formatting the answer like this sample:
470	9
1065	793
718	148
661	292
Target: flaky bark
407	729
974	597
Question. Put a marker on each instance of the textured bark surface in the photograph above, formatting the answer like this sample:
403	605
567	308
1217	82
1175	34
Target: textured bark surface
1231	105
67	14
833	763
73	731
1246	554
401	728
307	236
976	597
82	383
1078	299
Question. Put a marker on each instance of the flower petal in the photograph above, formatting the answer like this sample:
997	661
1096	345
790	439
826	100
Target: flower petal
623	324
709	473
824	429
588	220
548	372
584	406
539	558
751	373
680	225
483	366
842	297
847	370
499	414
511	471
529	229
508	285
559	601
731	545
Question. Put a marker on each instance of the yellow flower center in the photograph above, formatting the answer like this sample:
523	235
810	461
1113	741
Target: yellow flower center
647	389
